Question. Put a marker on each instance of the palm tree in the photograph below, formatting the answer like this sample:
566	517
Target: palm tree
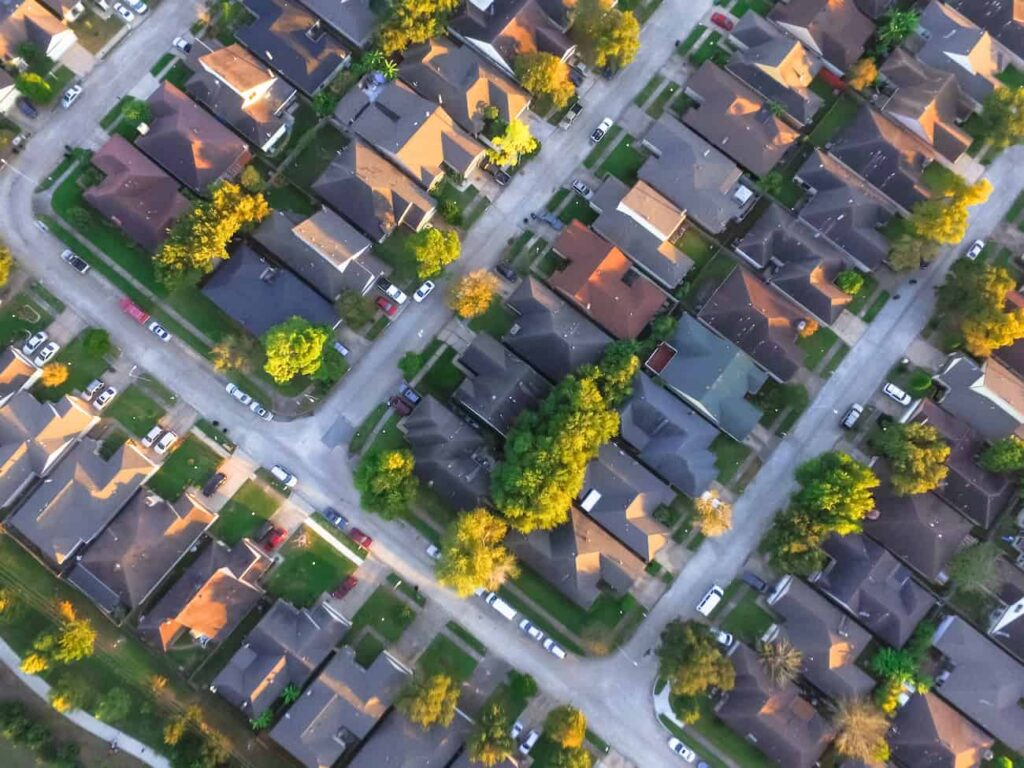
781	661
862	729
290	694
896	26
262	720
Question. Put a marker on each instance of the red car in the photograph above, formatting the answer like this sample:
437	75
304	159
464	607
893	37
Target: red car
134	311
387	307
400	405
360	538
345	587
274	539
723	21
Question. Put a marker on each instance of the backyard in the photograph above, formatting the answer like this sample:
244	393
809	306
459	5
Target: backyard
316	156
309	567
251	506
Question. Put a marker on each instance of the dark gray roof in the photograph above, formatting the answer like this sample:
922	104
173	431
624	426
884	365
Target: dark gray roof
397	743
927	733
951	42
259	295
836	29
1000	19
875	587
499	386
549	334
354	19
989	397
669	437
874	8
1006	622
504	29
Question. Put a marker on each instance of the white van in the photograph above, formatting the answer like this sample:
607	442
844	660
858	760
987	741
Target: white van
500	606
710	601
283	476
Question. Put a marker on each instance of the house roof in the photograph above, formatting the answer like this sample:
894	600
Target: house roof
1003	20
282	650
1012	355
451	458
135	194
512	27
341	706
736	120
928	733
16	373
835	29
123	566
27	21
417	135
801	264
954	44
292	40
549	334
694	175
354	19
397	743
759	320
188	142
455	77
989	397
499	386
670	437
80	498
984	682
260	295
1006	623
875	587
713	375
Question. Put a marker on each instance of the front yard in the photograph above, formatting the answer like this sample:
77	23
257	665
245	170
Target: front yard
135	410
21	318
86	359
729	457
624	161
444	657
386	613
191	464
310	566
250	507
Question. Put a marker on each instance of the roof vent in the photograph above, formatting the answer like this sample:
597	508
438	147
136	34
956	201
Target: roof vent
487	6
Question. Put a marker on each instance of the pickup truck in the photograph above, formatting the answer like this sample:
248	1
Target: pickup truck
134	311
571	115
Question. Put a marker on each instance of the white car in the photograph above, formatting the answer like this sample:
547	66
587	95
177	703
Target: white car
260	411
582	189
532	631
159	331
35	342
283	476
532	738
517	728
895	393
423	291
151	436
722	637
710	601
975	250
95	386
682	750
238	394
77	263
138	6
601	130
103	398
433	552
182	45
397	294
165	442
47	353
71	95
123	12
554	648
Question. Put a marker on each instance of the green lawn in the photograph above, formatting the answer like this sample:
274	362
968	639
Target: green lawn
760	7
463	199
550	262
698	246
496	320
747	620
1012	77
83	366
578	208
816	346
690	40
93	31
388	614
841	114
467	637
442	378
362	433
591	159
709	49
623	162
553	204
860	299
305	119
21	318
157	68
729	456
444	657
316	155
705	281
367	649
395	251
191	463
876	306
310	566
178	74
288	197
645	93
245	512
136	410
657	107
390	438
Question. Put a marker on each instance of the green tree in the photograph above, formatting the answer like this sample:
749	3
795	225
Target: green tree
75	638
79	217
325	102
290	694
521	685
251	179
413	21
385	482
976	568
691	660
909	253
973	298
434	249
781	660
617	371
792	548
1002	117
943	219
491	741
96	342
293	348
70	692
114	706
896	25
861	731
512	144
862	74
235	352
545	76
355	310
566	726
837	489
262	721
472	294
135	112
473	554
850	281
9	604
917	454
430	700
607	37
1006	455
34	87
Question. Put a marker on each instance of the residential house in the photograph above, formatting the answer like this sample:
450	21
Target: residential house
355	20
829	641
836	30
874	9
988	397
980	680
340	708
29	21
874	587
1012	355
65	10
17	373
135	193
259	294
775	719
244	93
706	185
602	282
1006	621
291	40
373	194
974	492
778	67
457	79
34	435
927	733
712	375
189	143
549	334
414	133
736	120
1001	20
397	742
579	558
8	92
797	262
669	437
759	320
451	458
209	600
323	249
498	386
845	210
503	30
133	555
283	650
79	499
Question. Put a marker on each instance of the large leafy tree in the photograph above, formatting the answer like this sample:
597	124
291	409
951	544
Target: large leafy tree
73	640
917	455
909	252
976	568
385	482
566	726
617	371
491	741
571	758
1006	455
691	660
896	25
545	75
862	74
781	660
1002	117
714	516
472	294
512	144
607	37
34	87
431	700
861	731
6	264
974	297
293	348
473	553
413	21
943	219
434	249
235	352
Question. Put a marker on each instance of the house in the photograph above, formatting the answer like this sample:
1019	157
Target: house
29	21
1006	621
451	458
122	567
829	641
503	30
498	385
797	262
343	704
549	334
8	92
777	720
712	375
988	397
373	194
927	732
845	210
778	67
455	77
759	320
283	650
669	437
874	9
974	492
355	20
1012	355
705	184
600	281
836	30
980	680
578	558
210	599
135	194
735	119
259	294
644	225
874	587
323	249
1001	20
34	435
291	40
397	742
414	133
17	373
66	10
243	93
189	143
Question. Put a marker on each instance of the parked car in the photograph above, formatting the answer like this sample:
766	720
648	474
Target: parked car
360	538
123	12
46	353
506	271
601	130
554	648
582	189
535	634
722	637
159	331
682	750
27	108
274	538
570	116
260	411
433	552
341	349
755	581
895	393
723	21
345	587
238	394
528	743
94	386
283	476
134	311
710	601
151	436
165	442
138	6
77	263
517	728
975	250
423	291
183	45
576	77
71	95
501	177
34	342
387	307
401	407
216	481
104	397
410	394
335	518
550	219
391	290
852	416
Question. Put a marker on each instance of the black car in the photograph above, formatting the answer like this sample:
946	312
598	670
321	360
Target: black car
500	176
410	394
506	271
27	109
216	481
755	581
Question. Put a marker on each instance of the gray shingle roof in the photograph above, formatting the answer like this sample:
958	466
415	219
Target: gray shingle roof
508	28
836	29
927	733
989	397
397	743
354	19
1001	19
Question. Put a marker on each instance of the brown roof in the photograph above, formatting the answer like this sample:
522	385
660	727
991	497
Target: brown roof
237	67
27	22
604	284
647	203
928	733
